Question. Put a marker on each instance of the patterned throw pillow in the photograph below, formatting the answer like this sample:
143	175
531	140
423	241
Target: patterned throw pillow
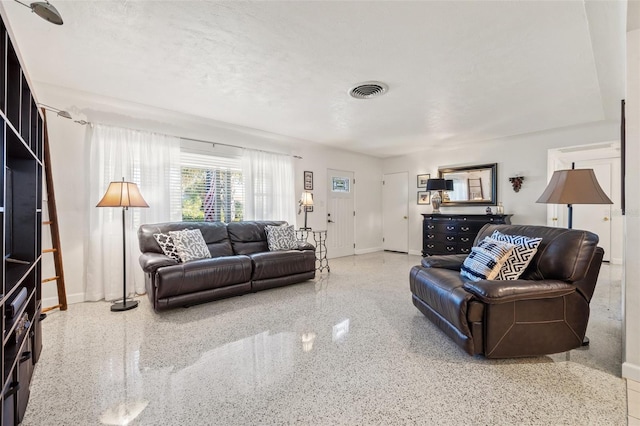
190	244
486	259
524	250
167	245
281	237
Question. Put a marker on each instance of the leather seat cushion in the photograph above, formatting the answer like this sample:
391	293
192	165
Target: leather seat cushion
274	264
200	275
442	290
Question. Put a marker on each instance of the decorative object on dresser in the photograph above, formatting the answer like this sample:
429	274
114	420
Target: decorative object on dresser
454	233
573	186
305	202
437	186
472	185
123	194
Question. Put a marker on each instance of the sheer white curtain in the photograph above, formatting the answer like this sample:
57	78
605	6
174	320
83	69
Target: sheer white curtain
269	186
150	160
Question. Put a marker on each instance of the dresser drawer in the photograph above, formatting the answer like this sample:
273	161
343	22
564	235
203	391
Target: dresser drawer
433	248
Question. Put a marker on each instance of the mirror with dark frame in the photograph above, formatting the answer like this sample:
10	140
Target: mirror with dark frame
472	185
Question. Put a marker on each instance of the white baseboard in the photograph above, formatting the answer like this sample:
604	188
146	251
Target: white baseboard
71	298
615	261
368	250
415	252
631	371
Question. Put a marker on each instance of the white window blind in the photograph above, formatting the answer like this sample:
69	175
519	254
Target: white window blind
212	188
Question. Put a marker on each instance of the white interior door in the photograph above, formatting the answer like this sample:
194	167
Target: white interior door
395	212
340	214
596	217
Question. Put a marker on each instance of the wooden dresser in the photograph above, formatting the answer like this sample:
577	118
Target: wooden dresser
454	233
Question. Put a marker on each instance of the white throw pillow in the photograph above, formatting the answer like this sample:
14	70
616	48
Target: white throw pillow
486	259
281	237
190	244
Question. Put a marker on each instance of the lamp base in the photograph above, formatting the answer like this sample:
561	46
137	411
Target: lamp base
124	305
436	201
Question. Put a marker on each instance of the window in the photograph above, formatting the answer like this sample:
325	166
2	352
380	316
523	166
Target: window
212	188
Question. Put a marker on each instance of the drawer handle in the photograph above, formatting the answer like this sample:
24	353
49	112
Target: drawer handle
464	239
450	228
450	238
464	250
429	245
430	226
450	248
430	236
465	228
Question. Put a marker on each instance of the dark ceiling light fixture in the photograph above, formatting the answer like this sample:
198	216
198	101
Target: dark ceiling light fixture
45	10
368	90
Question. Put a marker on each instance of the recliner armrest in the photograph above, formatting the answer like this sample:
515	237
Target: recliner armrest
499	291
150	262
446	261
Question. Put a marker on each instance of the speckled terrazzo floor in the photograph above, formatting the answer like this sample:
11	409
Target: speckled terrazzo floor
348	348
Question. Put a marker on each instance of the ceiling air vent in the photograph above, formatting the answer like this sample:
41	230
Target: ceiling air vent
368	90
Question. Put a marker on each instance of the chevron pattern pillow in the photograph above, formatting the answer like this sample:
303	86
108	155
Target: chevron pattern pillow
190	244
486	259
520	257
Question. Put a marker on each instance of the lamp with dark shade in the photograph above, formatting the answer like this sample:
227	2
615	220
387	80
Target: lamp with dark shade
436	186
123	194
573	186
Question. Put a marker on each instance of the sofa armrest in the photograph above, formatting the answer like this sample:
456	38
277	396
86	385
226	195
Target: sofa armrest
303	245
150	262
447	261
499	291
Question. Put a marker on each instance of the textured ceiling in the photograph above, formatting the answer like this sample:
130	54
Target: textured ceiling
458	71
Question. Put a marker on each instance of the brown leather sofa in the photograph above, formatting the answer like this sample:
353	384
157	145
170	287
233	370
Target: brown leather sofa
240	263
545	311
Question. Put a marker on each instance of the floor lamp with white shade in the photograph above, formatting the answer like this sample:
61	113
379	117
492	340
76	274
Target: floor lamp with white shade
123	194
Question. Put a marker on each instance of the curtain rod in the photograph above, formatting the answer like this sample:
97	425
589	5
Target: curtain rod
83	122
236	146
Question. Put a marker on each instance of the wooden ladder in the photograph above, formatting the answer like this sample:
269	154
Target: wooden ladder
54	227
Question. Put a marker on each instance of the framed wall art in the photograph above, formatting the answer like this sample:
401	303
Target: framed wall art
422	180
308	181
424	197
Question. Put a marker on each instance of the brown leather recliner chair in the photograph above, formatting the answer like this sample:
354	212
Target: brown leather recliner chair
545	311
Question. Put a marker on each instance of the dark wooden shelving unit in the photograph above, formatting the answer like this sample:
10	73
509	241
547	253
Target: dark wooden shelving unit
21	138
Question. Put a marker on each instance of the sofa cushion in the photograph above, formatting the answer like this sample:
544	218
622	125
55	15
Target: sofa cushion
486	259
273	264
250	237
167	245
524	250
190	244
281	237
201	275
214	234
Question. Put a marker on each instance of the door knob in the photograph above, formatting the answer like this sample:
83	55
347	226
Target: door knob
554	219
606	219
329	221
404	217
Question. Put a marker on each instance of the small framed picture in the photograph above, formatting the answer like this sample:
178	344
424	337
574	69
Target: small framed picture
422	180
424	197
308	181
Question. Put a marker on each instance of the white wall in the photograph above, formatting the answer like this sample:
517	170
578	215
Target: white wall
525	155
69	152
631	283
